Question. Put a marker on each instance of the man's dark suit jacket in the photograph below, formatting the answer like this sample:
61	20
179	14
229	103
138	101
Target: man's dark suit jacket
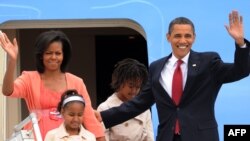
206	74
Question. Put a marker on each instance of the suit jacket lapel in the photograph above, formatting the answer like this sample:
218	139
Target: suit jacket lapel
158	76
193	67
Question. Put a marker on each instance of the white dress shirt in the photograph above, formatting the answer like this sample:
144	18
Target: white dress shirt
168	72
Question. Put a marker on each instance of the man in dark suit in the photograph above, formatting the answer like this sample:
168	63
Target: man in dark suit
202	75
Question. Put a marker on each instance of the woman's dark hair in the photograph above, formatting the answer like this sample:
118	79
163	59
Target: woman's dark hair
42	43
128	69
67	94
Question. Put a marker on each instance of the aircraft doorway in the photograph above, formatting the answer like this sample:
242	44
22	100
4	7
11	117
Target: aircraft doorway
97	46
94	56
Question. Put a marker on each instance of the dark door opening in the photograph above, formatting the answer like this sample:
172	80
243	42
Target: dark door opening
109	50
